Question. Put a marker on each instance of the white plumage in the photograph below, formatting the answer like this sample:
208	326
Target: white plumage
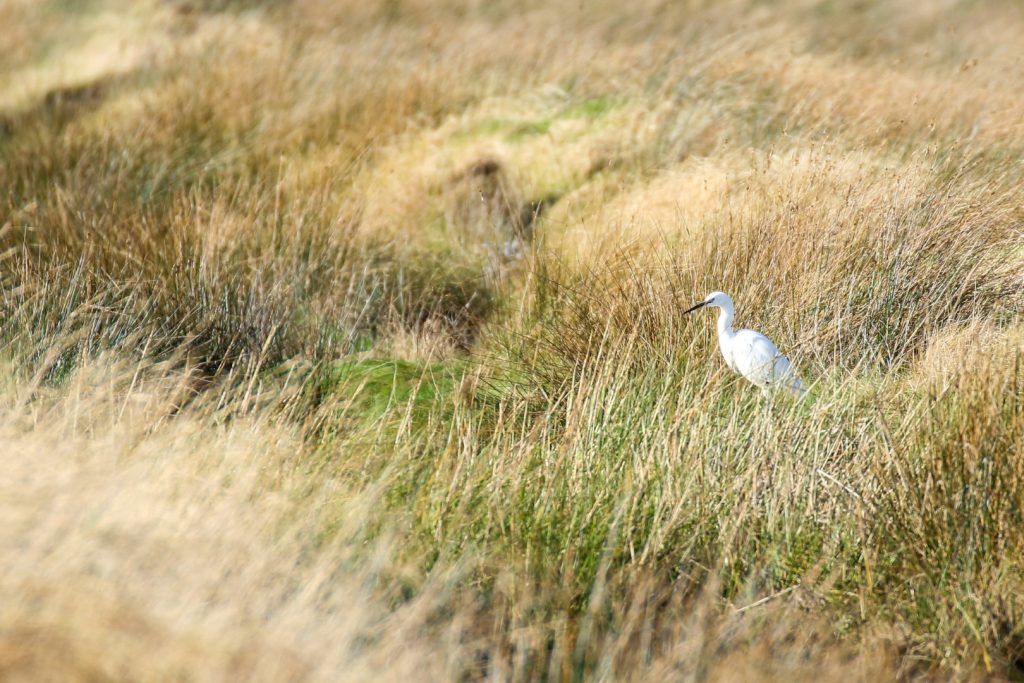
750	353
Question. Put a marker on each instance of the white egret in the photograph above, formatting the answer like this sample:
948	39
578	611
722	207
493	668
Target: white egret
750	353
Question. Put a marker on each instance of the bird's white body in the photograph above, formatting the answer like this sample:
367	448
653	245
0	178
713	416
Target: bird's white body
750	353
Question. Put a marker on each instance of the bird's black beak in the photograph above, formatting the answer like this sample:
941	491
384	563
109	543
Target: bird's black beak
695	307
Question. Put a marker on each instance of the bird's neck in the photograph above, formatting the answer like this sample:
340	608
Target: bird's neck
725	323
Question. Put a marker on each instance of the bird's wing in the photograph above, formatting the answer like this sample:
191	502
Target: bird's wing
761	362
784	376
755	356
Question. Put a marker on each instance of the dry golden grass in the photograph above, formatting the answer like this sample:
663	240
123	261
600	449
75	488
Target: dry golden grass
344	340
143	547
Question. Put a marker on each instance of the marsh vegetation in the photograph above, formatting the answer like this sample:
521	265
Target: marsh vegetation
344	340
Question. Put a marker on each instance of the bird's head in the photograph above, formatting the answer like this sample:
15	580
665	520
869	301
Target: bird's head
713	300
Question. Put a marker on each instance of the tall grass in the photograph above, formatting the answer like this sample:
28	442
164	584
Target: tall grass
345	341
